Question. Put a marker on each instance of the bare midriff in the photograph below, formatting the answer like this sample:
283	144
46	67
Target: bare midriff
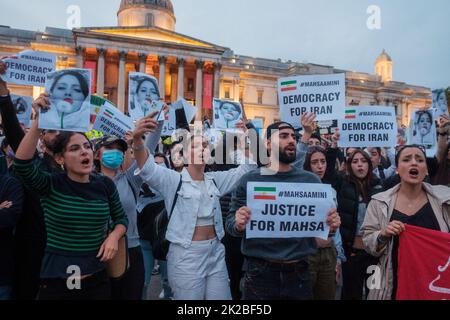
204	233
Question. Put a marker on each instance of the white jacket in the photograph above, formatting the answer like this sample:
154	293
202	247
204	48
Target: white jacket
182	224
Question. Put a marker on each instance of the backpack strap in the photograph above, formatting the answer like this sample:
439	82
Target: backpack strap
176	197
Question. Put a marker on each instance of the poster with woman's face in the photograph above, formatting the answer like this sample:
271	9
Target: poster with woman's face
23	109
422	130
226	114
70	96
440	103
143	95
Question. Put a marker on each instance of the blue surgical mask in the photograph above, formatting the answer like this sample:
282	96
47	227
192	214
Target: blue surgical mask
112	159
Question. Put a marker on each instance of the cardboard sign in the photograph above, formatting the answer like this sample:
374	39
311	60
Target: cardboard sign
371	126
288	210
323	95
23	108
29	68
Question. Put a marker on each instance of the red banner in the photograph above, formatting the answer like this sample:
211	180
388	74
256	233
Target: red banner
93	66
207	90
423	265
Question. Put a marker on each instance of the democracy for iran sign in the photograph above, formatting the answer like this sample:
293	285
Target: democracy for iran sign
29	68
288	210
323	95
374	126
111	121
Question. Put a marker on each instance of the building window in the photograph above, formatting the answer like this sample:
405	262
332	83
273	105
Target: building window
149	19
190	86
260	96
227	93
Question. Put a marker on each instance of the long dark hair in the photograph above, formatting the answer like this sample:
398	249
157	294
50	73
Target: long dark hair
310	153
81	79
364	184
442	176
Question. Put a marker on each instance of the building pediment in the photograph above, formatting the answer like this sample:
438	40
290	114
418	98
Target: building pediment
153	34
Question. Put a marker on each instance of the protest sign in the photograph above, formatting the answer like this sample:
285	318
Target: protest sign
70	97
189	110
426	253
323	95
23	108
440	103
288	210
226	114
96	105
374	126
170	121
29	68
422	131
143	97
111	121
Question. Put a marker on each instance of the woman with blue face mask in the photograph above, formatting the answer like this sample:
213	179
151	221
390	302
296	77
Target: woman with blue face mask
115	161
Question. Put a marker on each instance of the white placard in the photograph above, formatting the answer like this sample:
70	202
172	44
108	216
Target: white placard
288	210
143	95
422	131
23	108
368	126
170	122
70	97
226	114
29	68
112	121
440	103
323	95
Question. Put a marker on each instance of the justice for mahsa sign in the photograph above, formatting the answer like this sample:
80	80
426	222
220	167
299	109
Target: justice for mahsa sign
288	210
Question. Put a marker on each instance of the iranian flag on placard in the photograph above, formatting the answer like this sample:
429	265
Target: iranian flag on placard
423	265
109	114
289	86
265	193
350	114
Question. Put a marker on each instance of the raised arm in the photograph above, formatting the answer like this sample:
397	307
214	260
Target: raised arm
443	132
308	122
11	125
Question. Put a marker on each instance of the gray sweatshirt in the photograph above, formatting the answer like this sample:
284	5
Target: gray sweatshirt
270	249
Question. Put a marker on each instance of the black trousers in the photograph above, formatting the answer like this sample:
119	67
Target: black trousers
95	287
29	253
130	286
354	275
235	262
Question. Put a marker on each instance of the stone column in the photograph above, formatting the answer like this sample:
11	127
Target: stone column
142	62
199	90
217	68
101	72
80	57
180	91
236	90
162	76
121	85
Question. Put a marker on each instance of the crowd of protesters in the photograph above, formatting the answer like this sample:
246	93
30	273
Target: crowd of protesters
68	201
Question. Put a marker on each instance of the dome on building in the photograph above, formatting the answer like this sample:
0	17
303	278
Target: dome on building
150	13
384	57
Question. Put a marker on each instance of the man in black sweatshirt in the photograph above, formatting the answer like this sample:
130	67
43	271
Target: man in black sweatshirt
30	232
277	269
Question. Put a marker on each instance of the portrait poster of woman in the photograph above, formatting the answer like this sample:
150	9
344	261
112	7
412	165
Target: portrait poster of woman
23	109
70	96
422	130
440	103
226	114
143	95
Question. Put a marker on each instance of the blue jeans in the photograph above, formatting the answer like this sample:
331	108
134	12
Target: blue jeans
265	280
149	264
5	292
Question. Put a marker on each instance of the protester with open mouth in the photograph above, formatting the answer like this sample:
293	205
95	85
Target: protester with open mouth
78	207
354	194
411	202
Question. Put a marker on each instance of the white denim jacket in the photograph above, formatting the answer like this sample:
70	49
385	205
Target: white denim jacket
182	224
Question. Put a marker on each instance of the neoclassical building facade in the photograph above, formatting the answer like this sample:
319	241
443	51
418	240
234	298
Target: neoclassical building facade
145	40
